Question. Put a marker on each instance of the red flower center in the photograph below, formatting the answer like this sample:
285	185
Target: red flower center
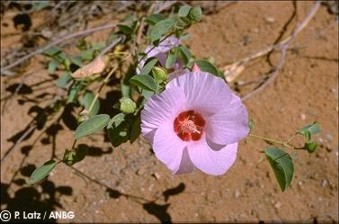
189	125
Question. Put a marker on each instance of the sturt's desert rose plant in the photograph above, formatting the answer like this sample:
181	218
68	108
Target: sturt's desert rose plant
181	104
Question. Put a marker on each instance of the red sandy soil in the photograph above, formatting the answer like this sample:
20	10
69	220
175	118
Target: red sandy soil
128	183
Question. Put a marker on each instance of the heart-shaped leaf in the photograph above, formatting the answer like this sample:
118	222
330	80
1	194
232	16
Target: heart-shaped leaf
282	166
161	27
308	130
184	10
207	66
92	125
144	81
87	101
41	172
148	66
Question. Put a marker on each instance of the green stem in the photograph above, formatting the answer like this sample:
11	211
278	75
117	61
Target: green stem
100	88
73	145
291	138
275	141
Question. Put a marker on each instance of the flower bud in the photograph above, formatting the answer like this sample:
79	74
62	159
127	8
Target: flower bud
311	146
159	74
127	105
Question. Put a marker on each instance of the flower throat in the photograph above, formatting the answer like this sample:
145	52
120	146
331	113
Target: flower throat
189	125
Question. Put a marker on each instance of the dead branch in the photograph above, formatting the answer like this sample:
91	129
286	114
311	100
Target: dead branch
283	46
56	42
232	71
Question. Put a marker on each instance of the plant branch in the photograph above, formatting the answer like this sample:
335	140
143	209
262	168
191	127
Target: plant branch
100	88
286	143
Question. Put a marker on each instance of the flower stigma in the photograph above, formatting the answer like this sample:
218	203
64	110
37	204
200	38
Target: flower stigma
189	125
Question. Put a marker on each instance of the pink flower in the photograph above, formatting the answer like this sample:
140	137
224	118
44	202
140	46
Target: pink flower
196	122
161	52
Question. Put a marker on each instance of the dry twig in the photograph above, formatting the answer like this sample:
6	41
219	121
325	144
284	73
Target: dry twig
56	42
283	46
233	71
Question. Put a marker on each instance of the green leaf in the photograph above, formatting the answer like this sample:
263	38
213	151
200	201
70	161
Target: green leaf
98	46
310	129
37	6
87	101
307	135
40	173
195	14
67	63
118	129
171	58
282	166
73	92
52	51
116	120
92	125
144	81
310	146
181	24
206	66
185	54
251	124
135	129
149	64
147	93
76	155
161	28
87	54
125	29
184	10
63	81
52	66
77	60
154	18
125	89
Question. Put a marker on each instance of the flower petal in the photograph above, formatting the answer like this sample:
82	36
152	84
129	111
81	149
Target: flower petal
210	161
168	147
160	109
186	165
160	51
230	125
204	92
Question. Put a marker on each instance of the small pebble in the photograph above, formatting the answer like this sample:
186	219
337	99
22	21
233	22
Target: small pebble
256	30
247	40
324	183
270	19
329	137
141	171
303	117
277	205
321	140
237	194
328	149
156	175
